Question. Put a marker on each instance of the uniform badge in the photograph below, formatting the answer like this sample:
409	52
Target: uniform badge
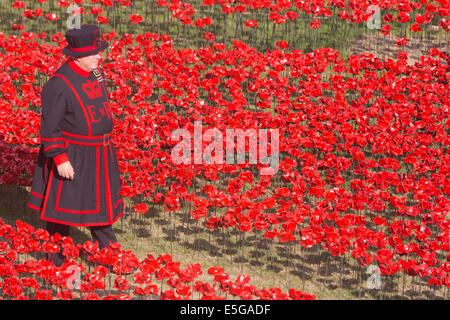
98	75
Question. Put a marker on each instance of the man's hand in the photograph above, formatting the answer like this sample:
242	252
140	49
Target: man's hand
65	170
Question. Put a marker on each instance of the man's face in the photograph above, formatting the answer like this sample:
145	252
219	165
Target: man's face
89	63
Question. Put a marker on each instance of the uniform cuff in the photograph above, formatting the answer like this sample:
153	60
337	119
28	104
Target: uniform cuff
59	159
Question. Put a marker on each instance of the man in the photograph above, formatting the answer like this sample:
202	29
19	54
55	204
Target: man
77	182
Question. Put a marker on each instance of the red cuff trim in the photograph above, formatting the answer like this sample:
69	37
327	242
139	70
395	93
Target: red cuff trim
60	159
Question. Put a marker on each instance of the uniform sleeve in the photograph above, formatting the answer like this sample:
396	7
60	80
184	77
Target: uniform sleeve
54	105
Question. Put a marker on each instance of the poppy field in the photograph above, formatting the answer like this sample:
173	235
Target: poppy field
358	203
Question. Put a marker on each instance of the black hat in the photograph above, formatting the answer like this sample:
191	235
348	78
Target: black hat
84	41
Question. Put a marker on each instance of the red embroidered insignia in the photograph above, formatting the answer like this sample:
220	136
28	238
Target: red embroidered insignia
96	36
92	89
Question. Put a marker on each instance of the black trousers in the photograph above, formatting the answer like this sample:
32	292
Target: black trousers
104	235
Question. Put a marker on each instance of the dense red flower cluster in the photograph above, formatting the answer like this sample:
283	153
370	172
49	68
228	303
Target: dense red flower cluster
24	278
281	11
387	144
364	158
16	164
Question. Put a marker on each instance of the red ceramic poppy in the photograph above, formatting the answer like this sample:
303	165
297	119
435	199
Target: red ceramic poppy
251	23
135	18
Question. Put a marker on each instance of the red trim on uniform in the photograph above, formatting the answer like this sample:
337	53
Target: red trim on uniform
101	140
97	210
36	194
62	158
88	224
54	146
88	48
52	139
86	137
47	192
78	98
76	68
84	224
86	143
107	186
117	203
34	207
70	210
97	159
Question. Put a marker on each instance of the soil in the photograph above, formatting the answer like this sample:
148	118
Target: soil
384	47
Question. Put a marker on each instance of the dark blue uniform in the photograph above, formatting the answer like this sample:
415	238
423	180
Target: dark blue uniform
76	126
